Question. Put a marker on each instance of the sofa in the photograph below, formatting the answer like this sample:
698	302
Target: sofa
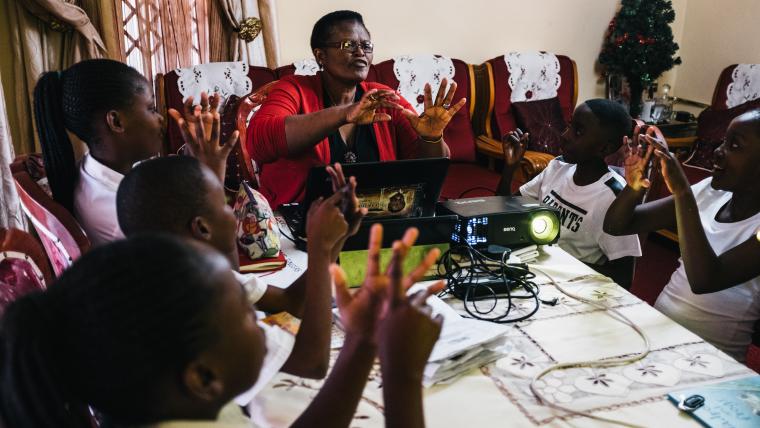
474	134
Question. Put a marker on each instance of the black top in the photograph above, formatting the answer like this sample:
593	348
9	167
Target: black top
365	146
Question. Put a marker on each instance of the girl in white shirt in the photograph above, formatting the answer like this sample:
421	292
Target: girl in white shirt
715	292
112	109
155	329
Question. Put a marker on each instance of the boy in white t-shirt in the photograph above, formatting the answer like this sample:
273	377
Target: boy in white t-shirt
181	196
581	186
715	292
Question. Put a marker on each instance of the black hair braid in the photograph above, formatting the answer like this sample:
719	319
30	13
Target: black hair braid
72	100
324	25
132	314
57	152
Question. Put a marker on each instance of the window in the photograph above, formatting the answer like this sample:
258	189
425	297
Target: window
155	31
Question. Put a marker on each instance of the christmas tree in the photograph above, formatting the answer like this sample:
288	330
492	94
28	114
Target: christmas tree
639	45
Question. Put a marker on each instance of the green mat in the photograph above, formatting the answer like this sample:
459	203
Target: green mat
355	262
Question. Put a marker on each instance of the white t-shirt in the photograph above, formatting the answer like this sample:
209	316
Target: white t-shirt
582	210
725	318
254	286
95	201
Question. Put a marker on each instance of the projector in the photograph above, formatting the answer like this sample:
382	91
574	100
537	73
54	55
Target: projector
510	221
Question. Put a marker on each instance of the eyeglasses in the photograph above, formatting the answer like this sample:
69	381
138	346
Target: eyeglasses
352	45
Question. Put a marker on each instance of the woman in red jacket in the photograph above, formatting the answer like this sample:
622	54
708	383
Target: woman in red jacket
335	116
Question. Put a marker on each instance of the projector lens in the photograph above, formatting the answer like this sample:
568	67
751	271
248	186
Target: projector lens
544	228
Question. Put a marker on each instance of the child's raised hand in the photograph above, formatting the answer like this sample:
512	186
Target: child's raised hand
407	332
670	167
360	311
514	146
636	162
350	203
325	224
200	126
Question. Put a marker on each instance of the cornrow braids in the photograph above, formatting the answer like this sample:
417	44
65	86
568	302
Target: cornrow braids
324	25
72	100
123	318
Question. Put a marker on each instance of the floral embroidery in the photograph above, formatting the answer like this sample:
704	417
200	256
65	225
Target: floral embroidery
522	362
696	361
413	72
600	379
533	76
745	85
649	370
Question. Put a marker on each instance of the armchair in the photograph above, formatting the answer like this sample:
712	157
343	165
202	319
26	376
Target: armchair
226	78
525	84
62	237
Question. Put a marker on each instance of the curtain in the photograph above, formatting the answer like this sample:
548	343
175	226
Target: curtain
161	35
10	210
45	35
232	23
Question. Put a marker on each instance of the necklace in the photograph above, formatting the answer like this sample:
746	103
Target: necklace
349	156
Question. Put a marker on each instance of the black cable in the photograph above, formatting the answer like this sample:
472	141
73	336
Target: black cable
475	188
473	276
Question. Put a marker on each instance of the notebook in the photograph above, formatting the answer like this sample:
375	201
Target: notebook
732	404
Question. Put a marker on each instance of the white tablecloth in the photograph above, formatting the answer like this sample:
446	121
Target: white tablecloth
497	395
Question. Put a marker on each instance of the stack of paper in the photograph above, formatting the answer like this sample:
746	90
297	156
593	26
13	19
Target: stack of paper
464	344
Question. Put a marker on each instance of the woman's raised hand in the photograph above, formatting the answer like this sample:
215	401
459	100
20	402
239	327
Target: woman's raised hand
365	111
431	123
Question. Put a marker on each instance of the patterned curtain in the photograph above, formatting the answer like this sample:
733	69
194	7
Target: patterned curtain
10	210
45	35
244	30
161	35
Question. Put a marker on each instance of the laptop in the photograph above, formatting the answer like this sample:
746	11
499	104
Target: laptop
402	189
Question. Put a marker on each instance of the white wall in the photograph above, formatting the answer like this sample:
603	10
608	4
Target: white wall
716	34
471	30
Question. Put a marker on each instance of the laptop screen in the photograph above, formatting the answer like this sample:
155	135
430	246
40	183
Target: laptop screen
392	189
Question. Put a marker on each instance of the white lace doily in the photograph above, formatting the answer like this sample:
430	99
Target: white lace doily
413	72
533	76
224	78
306	67
745	85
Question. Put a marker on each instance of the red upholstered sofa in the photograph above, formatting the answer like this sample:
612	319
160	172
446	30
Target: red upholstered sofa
495	116
473	135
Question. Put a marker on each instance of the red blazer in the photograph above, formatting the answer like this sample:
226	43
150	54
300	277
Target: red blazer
283	176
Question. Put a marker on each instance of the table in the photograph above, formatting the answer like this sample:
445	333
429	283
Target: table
497	395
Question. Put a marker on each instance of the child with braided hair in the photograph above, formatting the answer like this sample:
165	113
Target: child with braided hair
111	108
154	331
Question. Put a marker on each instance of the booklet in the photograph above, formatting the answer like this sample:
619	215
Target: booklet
732	404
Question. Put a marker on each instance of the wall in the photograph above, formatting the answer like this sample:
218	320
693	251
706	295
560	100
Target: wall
715	35
472	30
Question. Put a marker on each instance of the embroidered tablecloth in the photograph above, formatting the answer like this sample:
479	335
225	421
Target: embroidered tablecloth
498	394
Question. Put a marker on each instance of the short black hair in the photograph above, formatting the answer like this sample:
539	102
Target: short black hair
614	119
122	319
162	195
324	25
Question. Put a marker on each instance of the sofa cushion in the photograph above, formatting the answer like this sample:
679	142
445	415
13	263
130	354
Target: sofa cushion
543	121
